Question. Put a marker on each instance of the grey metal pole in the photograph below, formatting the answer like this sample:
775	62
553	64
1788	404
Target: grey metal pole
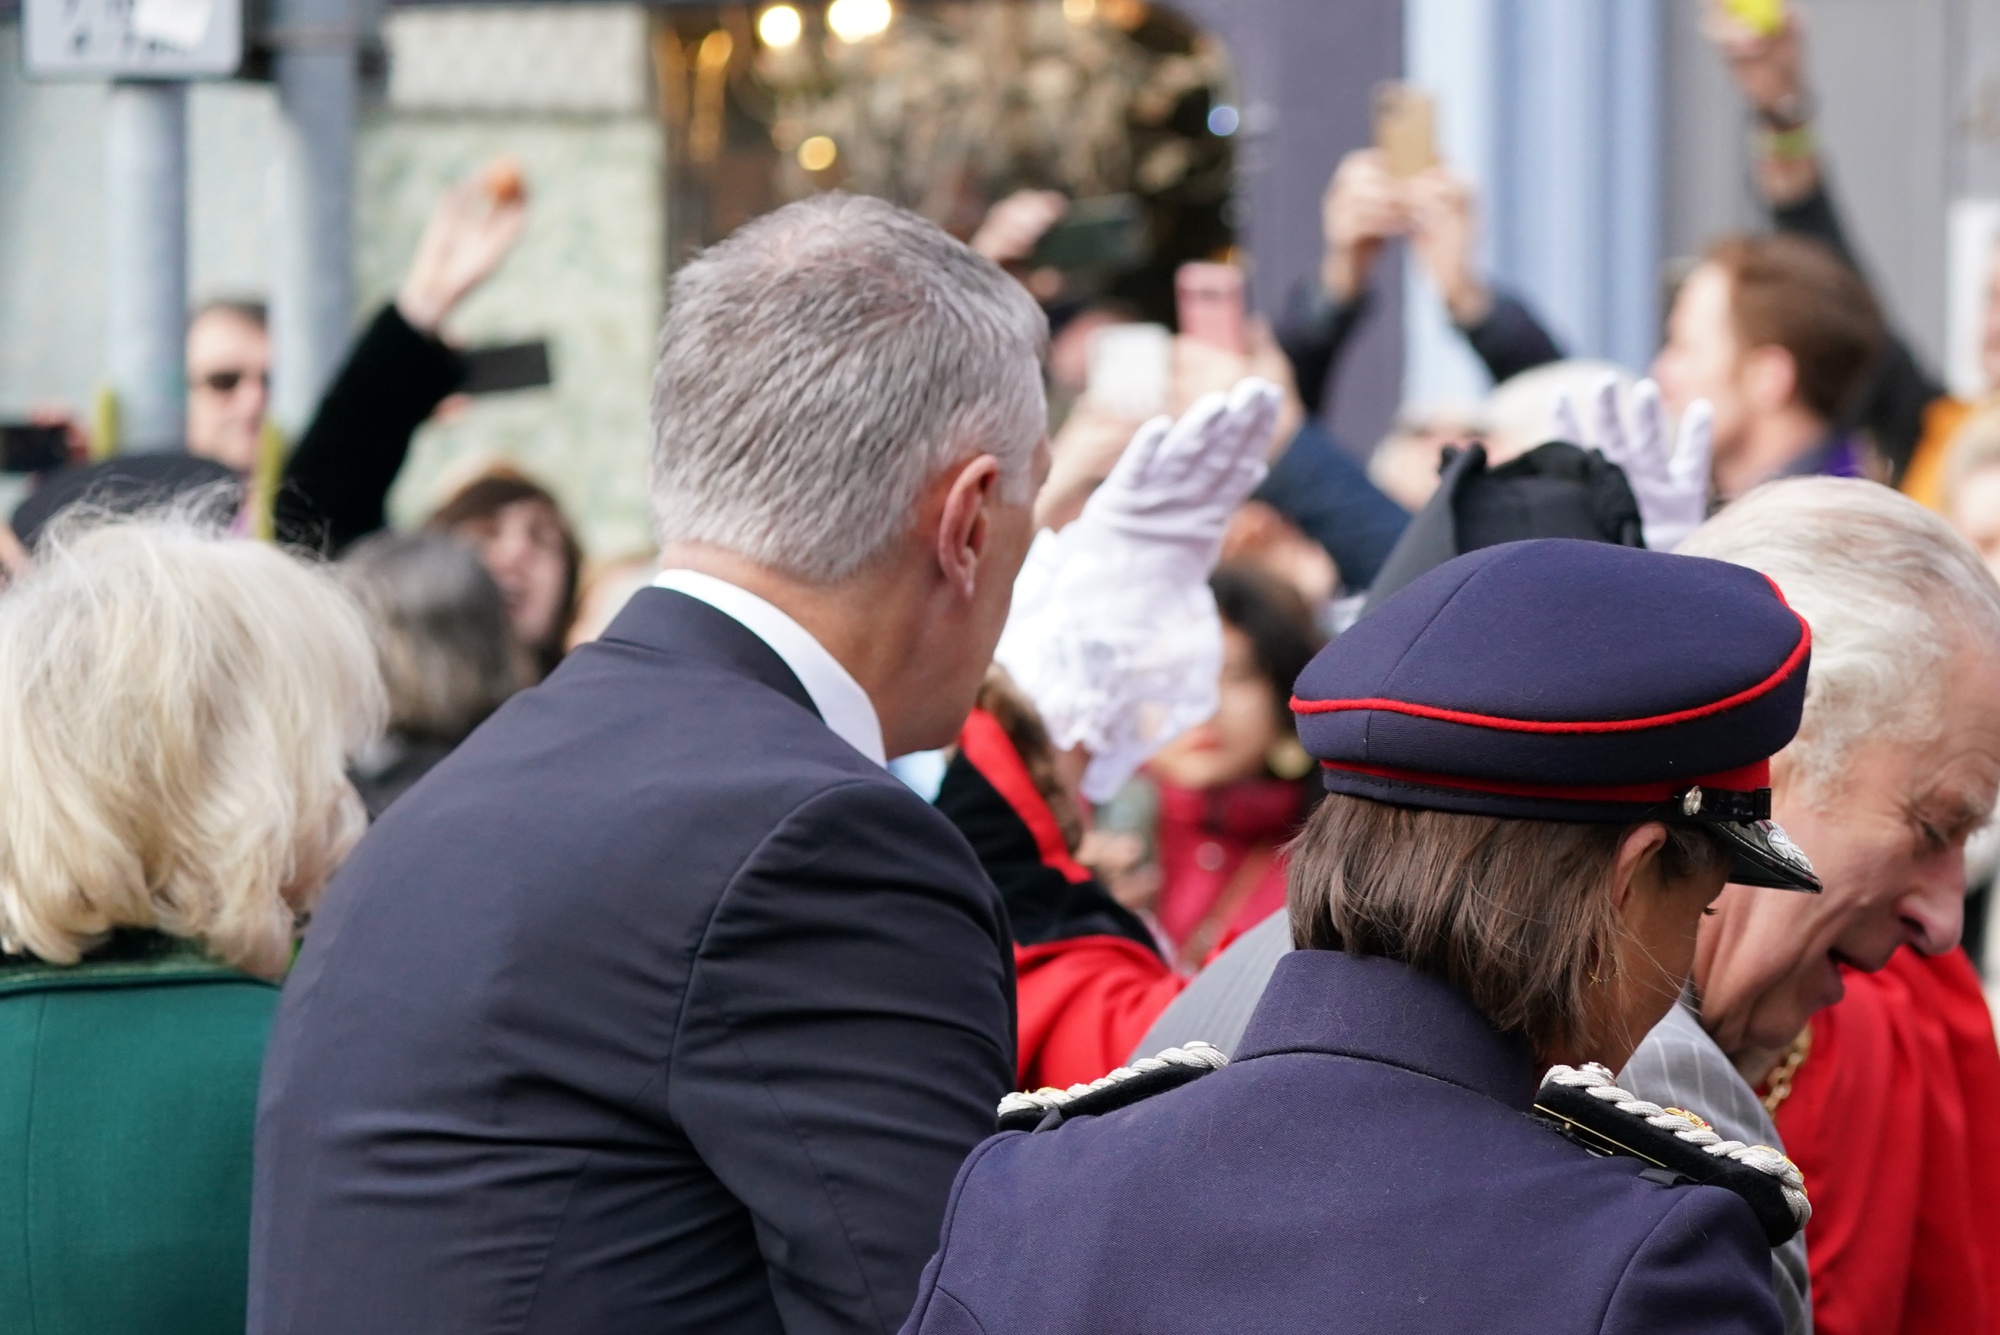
146	262
312	301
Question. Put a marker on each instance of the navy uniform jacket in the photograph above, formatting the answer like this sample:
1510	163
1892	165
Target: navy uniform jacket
656	1007
1367	1163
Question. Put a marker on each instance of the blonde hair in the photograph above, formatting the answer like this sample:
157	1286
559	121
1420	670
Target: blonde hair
1891	594
177	709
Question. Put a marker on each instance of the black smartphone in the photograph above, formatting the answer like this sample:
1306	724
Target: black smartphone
26	447
498	367
1108	232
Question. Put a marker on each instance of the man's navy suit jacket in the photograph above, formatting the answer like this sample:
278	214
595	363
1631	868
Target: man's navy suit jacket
656	1007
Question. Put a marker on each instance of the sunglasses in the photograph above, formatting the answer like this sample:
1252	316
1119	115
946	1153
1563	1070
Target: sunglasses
225	382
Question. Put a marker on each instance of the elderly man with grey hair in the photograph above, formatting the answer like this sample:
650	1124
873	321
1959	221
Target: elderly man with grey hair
659	1004
1895	765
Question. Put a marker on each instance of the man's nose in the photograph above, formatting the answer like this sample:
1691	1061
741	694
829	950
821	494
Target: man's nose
1933	909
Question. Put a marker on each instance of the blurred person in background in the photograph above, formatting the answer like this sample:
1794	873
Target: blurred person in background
1906	413
177	712
1971	490
1314	486
228	354
446	647
1233	790
1781	336
518	530
1365	207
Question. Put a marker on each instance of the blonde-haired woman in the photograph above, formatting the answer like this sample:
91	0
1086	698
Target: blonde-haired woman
177	711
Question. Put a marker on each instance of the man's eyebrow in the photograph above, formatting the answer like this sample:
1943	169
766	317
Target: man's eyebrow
1956	808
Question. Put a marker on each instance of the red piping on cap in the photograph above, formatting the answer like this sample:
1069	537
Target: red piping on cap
1747	779
1785	670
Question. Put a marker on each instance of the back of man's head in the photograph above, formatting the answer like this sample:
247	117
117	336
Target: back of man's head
1794	293
821	365
1891	594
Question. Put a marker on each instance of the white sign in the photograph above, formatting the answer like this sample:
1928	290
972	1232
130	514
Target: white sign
1972	235
132	39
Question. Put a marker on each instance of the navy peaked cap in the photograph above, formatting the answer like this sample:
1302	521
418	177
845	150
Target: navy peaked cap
1558	679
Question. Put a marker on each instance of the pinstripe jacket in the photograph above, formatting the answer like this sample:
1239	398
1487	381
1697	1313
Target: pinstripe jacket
1679	1066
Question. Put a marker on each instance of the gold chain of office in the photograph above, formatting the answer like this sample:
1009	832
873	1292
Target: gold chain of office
1779	1087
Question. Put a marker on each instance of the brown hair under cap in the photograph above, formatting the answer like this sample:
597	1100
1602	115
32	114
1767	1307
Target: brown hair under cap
1514	914
1797	294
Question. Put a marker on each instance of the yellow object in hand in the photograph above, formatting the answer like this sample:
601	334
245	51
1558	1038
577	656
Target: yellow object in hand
1762	17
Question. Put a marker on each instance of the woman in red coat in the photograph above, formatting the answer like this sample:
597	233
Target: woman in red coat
1091	976
1234	790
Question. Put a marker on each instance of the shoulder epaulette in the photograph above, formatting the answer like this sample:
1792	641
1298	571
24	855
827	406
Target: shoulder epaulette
1046	1108
1585	1104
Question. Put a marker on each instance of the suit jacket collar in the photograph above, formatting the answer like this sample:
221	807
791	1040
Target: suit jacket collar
668	622
1385	1011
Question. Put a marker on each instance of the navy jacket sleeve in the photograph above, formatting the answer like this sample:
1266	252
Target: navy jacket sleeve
1510	339
1315	330
847	1034
1322	490
1705	1268
337	480
1312	334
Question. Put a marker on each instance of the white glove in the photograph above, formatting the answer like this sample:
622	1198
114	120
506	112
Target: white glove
1670	486
1113	632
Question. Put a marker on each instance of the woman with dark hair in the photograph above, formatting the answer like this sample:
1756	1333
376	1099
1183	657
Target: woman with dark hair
1234	789
1544	759
518	530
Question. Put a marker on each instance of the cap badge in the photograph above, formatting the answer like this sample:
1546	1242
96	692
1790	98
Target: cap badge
1691	802
1781	844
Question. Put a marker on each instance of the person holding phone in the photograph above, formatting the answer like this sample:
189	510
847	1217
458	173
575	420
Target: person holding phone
1366	205
336	483
1907	412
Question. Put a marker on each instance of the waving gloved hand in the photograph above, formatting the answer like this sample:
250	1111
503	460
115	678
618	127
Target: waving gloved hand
1114	633
1670	481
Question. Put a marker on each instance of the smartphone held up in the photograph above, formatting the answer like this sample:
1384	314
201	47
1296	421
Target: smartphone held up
1405	129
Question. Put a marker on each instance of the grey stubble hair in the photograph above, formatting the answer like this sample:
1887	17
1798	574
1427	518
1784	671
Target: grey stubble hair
818	367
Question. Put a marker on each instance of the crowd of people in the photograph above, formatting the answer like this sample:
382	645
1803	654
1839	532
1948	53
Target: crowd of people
1032	849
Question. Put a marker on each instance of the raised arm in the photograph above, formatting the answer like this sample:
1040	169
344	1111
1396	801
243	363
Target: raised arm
338	479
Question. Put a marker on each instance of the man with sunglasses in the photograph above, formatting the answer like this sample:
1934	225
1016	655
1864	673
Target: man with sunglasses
228	383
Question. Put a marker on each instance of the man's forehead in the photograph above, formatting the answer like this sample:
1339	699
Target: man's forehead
223	331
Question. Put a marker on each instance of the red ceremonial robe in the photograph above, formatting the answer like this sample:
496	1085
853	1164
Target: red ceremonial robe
1894	1119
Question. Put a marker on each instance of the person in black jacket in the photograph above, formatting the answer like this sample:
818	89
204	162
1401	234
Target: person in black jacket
337	480
660	1005
1364	207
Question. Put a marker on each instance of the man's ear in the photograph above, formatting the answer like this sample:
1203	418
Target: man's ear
964	526
1638	861
1771	377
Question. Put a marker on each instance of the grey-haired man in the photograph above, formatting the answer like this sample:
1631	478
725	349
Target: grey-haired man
661	1005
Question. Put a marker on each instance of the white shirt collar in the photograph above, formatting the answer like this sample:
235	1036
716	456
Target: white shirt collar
841	702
